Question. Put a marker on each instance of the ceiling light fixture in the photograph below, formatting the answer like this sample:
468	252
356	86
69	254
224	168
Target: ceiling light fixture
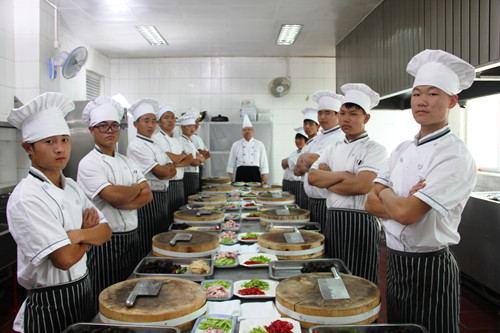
288	33
152	35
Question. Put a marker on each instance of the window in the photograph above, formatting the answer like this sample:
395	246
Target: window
93	85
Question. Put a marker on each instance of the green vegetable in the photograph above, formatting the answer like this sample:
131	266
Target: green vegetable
250	235
262	259
227	240
263	285
226	284
180	270
224	324
258	329
224	261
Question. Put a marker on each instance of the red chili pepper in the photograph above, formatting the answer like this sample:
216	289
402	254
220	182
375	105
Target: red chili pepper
251	291
245	238
279	326
251	262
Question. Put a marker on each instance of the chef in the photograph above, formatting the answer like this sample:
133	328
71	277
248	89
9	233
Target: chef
156	166
292	183
248	157
328	106
117	187
192	171
347	171
197	140
420	195
172	146
52	222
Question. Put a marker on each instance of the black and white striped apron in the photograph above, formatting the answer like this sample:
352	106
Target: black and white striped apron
191	183
176	198
293	187
151	220
424	289
353	236
317	207
52	309
303	200
200	173
113	261
285	184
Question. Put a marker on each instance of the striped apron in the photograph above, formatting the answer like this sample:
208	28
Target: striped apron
318	209
354	237
52	309
303	199
191	183
293	187
286	186
176	198
113	261
152	220
424	289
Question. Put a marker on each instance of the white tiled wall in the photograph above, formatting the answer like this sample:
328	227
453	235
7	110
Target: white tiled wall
7	58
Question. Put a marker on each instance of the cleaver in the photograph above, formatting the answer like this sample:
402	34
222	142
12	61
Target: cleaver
144	287
294	237
181	236
333	288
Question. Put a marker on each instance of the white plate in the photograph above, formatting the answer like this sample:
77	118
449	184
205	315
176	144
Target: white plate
246	217
237	204
239	184
249	194
255	205
271	292
241	235
231	229
253	184
225	266
201	318
231	216
229	291
248	324
246	256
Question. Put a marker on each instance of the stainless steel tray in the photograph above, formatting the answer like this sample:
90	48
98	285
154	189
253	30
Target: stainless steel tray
377	328
200	226
283	269
177	261
97	328
286	225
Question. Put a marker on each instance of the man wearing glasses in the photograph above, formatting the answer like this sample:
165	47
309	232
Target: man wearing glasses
117	187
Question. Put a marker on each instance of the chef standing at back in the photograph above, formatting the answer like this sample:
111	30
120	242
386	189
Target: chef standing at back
248	157
52	221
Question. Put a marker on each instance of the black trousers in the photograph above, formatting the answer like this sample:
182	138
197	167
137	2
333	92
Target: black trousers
248	174
423	289
303	200
152	221
176	198
191	184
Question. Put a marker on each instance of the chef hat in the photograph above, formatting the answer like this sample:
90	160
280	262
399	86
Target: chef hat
442	70
187	120
300	130
195	113
361	95
101	109
164	109
310	114
142	107
42	117
246	122
327	100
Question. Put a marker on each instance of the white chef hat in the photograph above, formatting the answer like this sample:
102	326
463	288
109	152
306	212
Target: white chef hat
187	120
142	107
310	114
442	70
360	94
101	109
42	117
193	112
163	109
327	100
246	122
300	130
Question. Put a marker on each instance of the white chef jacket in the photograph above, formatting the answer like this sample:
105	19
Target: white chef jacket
198	142
449	171
292	161
147	155
97	171
324	139
172	145
248	153
359	154
189	148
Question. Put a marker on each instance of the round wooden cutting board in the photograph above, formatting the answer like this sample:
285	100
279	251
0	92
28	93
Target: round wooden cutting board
274	242
214	199
299	297
177	298
216	188
266	187
296	215
201	243
215	180
268	199
190	215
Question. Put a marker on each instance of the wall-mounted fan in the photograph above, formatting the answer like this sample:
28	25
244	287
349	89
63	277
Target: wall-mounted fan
71	63
280	86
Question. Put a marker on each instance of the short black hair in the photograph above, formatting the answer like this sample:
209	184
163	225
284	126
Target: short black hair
299	136
312	121
354	105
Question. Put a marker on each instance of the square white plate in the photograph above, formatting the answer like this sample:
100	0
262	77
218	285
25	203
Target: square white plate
201	318
246	217
243	234
271	292
235	203
248	324
232	216
229	291
226	266
246	256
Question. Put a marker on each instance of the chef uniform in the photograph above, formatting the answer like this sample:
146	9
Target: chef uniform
327	100
115	260
191	172
248	158
175	192
292	183
302	199
422	274
352	234
146	154
40	214
197	140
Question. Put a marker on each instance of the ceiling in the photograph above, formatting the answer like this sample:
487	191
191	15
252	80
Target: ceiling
229	28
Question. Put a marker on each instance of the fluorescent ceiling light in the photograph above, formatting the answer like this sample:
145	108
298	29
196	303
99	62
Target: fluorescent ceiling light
151	34
288	33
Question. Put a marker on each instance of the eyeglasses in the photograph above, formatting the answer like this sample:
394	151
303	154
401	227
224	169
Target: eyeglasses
103	128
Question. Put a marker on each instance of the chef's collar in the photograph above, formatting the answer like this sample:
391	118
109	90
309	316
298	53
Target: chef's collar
432	136
362	136
251	140
145	138
310	140
41	177
330	130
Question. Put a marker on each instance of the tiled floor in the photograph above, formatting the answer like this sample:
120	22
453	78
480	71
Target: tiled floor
477	315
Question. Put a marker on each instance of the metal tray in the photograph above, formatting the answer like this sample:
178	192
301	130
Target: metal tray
200	226
286	225
283	269
377	328
178	261
95	328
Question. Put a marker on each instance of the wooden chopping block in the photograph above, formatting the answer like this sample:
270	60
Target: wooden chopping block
202	244
226	188
299	296
296	215
177	298
266	187
190	215
274	242
215	180
214	199
268	199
